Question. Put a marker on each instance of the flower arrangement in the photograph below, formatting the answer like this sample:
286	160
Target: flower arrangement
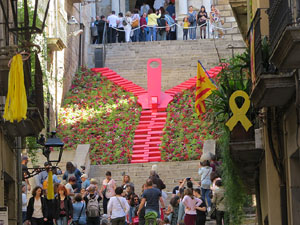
99	113
184	132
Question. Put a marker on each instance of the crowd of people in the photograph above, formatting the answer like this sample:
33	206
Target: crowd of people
83	201
155	24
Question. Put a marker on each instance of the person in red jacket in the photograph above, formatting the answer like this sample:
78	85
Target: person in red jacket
143	24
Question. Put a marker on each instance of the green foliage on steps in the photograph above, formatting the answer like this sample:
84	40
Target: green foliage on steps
99	113
184	132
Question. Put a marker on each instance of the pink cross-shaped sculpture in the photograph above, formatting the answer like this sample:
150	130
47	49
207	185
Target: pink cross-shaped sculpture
154	98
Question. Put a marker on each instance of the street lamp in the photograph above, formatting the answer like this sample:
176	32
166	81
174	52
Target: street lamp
53	143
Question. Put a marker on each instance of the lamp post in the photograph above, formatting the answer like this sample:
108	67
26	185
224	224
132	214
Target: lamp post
53	144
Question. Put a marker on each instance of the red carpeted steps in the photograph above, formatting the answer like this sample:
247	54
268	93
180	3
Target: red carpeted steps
149	132
148	136
118	80
192	82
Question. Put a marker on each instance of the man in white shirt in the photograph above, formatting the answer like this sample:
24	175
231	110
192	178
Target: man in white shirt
112	23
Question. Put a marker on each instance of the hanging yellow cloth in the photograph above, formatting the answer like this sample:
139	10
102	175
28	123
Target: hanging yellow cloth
50	187
16	100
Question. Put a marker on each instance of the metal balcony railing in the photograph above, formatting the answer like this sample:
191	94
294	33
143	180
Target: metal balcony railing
257	43
280	16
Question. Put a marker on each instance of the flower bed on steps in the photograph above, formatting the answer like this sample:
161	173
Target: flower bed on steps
100	113
184	132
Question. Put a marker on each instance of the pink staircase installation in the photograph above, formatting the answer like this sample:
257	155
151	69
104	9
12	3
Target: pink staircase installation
122	82
148	134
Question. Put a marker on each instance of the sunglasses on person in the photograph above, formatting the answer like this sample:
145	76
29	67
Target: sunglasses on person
136	199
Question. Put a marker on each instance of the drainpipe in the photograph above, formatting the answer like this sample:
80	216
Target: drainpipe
277	161
18	144
80	39
56	66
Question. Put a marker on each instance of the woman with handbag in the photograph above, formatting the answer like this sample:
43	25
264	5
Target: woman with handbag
79	208
107	190
118	208
204	173
37	211
63	211
135	25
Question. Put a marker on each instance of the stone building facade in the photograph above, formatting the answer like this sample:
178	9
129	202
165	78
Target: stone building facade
276	95
64	62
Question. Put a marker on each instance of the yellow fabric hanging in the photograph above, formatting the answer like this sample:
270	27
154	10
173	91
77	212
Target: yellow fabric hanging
50	187
16	100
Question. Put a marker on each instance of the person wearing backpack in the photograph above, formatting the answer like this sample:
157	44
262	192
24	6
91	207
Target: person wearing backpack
192	17
92	201
118	208
162	23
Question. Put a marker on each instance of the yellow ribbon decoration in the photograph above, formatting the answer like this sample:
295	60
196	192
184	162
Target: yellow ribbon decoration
239	114
50	187
16	100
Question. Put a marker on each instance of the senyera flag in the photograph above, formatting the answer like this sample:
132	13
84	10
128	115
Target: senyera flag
204	88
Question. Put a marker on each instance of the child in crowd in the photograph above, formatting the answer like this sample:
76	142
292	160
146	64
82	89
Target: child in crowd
24	202
186	25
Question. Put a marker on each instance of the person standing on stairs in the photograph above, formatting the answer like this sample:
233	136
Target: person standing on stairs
201	20
112	23
121	33
192	17
127	26
151	196
152	23
118	208
107	190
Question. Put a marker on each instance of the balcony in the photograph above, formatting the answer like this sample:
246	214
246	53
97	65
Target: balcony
34	123
284	35
273	90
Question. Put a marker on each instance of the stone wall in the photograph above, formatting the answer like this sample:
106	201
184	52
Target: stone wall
169	172
8	181
229	21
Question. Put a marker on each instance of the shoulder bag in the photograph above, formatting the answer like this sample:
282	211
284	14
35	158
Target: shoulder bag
135	23
76	222
121	204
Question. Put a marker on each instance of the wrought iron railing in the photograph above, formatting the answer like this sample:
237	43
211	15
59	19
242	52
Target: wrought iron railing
280	16
257	43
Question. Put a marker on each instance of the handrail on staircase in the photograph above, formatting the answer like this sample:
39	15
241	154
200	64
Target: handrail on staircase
104	42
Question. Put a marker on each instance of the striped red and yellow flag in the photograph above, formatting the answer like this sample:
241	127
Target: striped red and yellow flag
204	88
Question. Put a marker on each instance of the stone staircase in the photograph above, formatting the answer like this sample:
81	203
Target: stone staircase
179	58
169	172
